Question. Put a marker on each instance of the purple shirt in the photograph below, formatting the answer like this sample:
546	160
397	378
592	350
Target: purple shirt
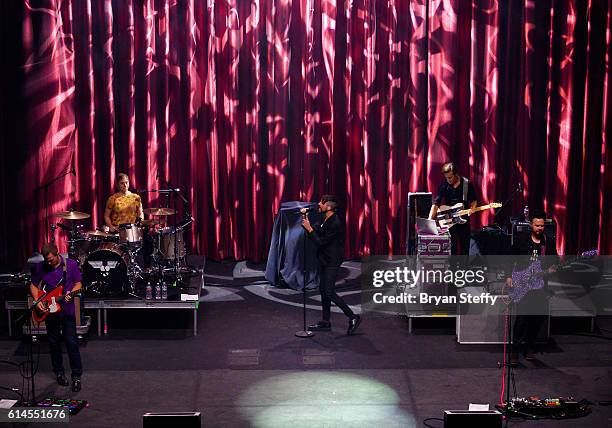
46	278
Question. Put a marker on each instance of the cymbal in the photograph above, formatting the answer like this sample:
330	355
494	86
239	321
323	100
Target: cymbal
72	215
160	211
99	233
149	222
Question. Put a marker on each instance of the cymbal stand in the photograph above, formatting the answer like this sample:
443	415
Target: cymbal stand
45	188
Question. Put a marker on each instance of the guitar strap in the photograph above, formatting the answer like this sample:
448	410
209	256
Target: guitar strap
63	276
64	273
465	191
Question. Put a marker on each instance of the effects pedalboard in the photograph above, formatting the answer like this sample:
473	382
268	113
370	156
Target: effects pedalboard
547	408
73	406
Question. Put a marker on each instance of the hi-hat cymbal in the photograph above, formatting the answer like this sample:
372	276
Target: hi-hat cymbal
99	233
72	215
160	211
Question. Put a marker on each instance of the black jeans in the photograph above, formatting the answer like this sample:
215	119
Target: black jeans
56	325
525	334
327	282
460	239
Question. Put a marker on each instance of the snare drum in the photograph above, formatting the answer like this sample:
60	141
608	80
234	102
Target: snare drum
166	239
130	234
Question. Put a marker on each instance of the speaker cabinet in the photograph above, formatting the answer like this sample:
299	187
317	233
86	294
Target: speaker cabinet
475	419
486	324
524	228
173	419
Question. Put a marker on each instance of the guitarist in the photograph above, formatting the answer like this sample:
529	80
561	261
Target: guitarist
53	272
452	190
530	310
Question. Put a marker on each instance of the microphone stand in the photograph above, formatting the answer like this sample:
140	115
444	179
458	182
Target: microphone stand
518	188
506	408
304	333
45	187
28	316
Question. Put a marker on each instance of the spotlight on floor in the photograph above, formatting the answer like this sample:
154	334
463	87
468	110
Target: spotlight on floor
320	398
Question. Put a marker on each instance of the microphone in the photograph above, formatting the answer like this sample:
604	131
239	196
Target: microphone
305	210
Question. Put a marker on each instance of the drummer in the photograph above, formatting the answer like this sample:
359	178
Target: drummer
124	206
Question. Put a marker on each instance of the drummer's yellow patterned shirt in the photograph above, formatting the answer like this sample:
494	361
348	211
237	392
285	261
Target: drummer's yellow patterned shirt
123	208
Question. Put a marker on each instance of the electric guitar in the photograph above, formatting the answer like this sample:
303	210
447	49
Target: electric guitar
532	278
51	302
449	216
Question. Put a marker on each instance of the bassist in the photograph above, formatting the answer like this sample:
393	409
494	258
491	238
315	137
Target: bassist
53	272
531	309
452	190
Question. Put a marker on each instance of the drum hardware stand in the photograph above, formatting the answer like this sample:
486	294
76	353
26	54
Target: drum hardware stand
134	271
175	229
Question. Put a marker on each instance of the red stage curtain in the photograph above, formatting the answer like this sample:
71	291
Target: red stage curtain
245	104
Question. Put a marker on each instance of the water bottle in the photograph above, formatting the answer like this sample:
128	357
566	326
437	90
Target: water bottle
149	291
526	213
164	292
158	295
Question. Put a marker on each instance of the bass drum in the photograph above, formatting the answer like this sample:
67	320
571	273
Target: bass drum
105	270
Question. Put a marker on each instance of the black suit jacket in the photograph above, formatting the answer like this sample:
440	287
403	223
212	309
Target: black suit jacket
329	239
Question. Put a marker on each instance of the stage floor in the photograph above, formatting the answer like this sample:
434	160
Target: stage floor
246	368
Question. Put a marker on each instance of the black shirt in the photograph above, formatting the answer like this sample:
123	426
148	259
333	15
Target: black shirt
449	195
329	239
524	246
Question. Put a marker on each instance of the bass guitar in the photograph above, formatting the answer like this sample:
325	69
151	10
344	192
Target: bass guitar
449	216
532	278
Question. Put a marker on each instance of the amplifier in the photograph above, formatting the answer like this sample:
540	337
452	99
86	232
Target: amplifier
175	419
434	245
523	227
474	419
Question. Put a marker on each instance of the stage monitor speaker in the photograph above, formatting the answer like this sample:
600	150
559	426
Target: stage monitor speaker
172	419
419	205
486	324
475	419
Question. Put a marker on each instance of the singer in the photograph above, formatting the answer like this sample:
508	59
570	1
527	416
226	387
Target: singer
328	236
124	206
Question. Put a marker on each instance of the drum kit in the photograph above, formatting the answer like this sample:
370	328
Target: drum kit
110	260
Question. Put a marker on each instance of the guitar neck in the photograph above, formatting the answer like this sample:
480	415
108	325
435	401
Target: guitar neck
474	210
70	293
